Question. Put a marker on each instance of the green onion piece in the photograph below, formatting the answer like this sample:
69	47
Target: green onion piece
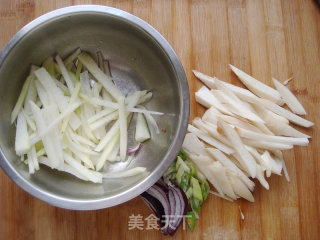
182	154
195	204
179	174
189	193
205	188
197	193
191	220
170	173
185	179
193	170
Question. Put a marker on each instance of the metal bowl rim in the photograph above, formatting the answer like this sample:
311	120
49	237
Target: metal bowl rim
75	204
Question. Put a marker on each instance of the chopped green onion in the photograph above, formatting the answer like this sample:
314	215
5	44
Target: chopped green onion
191	220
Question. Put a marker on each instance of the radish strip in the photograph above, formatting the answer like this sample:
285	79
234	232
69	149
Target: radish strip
31	96
221	196
43	96
224	160
286	130
212	130
81	148
99	115
207	99
65	74
258	136
144	111
123	128
30	122
266	145
246	159
142	132
193	145
22	141
239	109
217	170
47	142
145	98
72	57
50	113
210	140
105	103
93	176
54	122
74	121
83	157
34	156
108	150
202	162
74	95
107	137
151	121
256	86
17	108
87	99
30	163
81	139
277	110
291	100
104	121
66	168
105	80
126	173
287	114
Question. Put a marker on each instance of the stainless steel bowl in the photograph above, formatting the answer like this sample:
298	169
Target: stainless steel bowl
140	59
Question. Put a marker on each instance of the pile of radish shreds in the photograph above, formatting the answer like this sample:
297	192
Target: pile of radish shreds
242	133
72	117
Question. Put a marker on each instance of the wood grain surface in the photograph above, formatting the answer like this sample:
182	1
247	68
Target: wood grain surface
279	38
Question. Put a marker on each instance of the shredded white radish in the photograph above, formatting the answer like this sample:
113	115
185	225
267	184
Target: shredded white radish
123	128
65	74
279	139
255	128
17	108
105	80
291	100
125	173
246	159
100	115
72	57
257	87
76	124
207	99
210	140
108	150
22	143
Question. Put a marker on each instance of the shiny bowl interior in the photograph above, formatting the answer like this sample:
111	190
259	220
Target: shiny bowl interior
140	58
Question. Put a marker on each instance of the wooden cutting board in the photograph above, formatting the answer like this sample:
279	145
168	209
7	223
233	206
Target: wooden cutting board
263	37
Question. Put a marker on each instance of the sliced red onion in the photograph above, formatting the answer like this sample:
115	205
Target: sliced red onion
162	184
180	208
155	205
171	219
134	149
169	203
159	194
